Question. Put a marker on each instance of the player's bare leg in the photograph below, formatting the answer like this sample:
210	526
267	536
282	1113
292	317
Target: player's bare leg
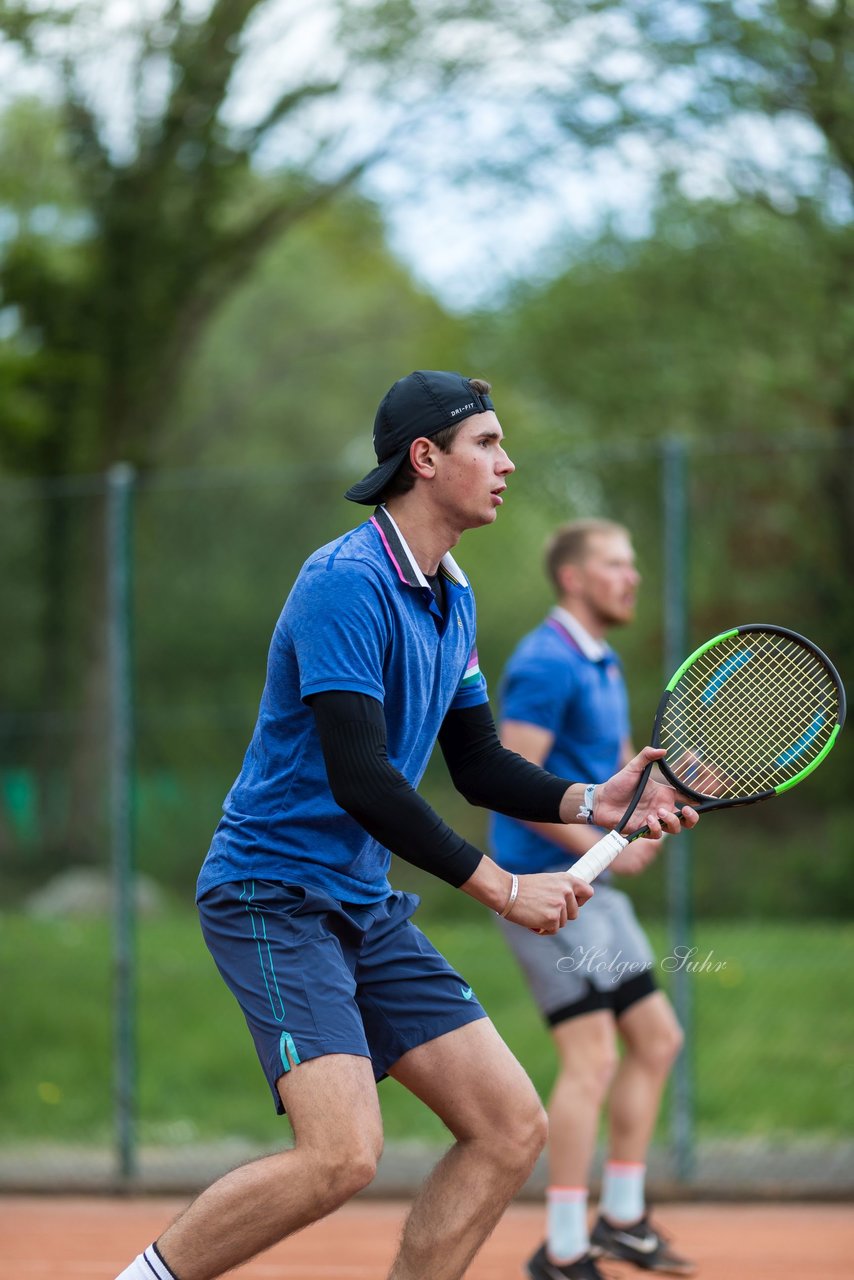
587	1052
334	1112
652	1038
474	1084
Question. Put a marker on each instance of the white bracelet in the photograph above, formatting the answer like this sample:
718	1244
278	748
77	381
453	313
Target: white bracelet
586	809
508	906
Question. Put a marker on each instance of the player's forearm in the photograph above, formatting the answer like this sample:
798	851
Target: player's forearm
490	884
492	776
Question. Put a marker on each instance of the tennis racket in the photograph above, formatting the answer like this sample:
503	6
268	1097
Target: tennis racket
748	716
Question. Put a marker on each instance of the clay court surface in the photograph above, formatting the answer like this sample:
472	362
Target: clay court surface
48	1238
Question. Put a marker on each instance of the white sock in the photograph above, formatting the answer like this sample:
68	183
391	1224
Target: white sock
566	1222
623	1191
148	1266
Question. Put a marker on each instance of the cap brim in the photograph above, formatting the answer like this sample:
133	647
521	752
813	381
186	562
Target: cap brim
369	489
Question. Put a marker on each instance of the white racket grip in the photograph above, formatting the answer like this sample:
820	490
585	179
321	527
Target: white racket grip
597	858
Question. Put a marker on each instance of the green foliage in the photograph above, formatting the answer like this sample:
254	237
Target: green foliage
724	327
724	320
44	364
146	209
295	363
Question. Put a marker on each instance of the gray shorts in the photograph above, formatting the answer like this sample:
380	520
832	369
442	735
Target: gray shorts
601	960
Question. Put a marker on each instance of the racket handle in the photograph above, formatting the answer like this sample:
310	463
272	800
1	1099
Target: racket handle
598	857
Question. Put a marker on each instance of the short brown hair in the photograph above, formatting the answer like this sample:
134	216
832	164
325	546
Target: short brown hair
568	544
404	478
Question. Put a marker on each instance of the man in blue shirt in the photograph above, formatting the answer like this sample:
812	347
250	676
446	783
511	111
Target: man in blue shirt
372	661
564	707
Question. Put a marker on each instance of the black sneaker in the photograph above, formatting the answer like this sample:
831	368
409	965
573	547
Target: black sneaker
641	1244
541	1268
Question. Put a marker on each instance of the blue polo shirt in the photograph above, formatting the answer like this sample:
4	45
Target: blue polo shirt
552	683
361	617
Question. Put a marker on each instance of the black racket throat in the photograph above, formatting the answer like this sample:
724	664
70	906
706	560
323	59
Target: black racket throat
700	803
636	799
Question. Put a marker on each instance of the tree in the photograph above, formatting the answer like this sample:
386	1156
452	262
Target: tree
289	366
138	219
166	223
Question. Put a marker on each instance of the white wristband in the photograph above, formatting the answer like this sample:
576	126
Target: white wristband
514	891
586	809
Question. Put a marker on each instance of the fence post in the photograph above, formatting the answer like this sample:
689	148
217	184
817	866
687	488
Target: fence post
120	485
676	533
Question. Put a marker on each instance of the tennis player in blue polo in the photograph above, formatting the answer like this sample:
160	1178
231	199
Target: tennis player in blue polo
564	706
373	661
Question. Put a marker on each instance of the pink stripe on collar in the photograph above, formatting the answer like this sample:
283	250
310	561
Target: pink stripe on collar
391	556
564	634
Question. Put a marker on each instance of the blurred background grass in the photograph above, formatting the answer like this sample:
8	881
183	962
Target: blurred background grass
771	1048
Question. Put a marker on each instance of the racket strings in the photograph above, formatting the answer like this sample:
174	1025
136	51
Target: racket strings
747	715
751	739
733	724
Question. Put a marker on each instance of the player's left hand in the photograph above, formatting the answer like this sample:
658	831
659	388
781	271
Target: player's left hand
657	807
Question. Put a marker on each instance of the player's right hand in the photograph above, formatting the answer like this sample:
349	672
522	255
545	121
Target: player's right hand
547	900
660	807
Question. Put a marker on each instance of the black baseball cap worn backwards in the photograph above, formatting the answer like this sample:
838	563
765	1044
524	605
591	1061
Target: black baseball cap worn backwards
421	404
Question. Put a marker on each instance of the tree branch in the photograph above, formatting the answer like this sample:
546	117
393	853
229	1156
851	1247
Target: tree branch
283	107
203	56
230	261
87	147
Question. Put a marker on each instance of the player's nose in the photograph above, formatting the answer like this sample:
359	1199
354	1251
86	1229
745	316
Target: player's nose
505	465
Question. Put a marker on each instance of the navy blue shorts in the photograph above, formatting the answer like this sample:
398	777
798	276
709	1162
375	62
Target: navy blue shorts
315	976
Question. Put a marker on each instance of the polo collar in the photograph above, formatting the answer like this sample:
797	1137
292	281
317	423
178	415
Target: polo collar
402	558
594	650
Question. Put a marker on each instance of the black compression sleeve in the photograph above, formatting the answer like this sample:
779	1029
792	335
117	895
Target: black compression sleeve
366	785
488	774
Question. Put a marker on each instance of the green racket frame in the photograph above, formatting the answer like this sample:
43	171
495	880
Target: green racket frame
704	801
601	855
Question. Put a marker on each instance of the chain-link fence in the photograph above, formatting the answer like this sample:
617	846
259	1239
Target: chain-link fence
136	617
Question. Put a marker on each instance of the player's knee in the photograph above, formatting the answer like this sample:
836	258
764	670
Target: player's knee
539	1130
525	1134
345	1177
536	1127
360	1169
344	1169
590	1075
661	1051
675	1039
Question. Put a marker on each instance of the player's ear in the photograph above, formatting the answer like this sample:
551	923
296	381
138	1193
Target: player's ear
567	578
422	456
